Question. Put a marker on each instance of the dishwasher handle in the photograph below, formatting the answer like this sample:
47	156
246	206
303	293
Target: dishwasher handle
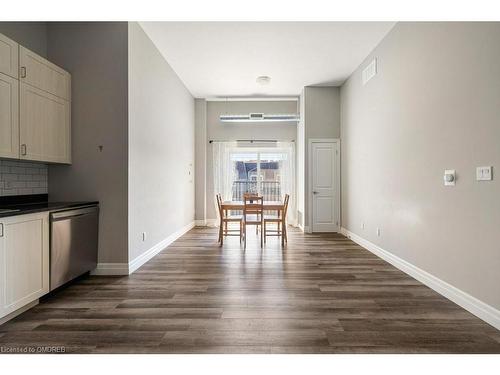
54	216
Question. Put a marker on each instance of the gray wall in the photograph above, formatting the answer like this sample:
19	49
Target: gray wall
434	105
301	158
321	119
96	56
201	159
218	130
32	35
161	146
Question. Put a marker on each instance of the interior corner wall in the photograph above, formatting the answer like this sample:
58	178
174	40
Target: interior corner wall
95	53
321	119
200	160
433	105
301	158
32	35
161	153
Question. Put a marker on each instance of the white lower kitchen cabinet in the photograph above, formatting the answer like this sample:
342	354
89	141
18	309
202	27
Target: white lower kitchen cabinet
24	260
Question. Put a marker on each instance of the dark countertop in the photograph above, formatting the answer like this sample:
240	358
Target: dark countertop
29	206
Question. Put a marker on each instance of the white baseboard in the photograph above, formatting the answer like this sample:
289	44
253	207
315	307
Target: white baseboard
110	269
207	223
480	309
19	311
144	257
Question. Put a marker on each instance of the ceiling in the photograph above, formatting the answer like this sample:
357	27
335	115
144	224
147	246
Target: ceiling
225	58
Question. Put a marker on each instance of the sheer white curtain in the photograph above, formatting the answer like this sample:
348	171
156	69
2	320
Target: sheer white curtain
287	177
223	169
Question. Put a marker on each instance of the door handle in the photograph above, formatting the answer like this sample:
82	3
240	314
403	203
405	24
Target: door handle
23	72
23	149
1	229
315	192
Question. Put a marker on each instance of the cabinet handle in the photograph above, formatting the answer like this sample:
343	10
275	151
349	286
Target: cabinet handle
1	230
23	72
23	149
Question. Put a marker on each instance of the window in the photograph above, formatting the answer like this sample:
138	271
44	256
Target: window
268	171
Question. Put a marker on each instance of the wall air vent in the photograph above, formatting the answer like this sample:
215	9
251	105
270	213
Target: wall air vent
260	117
369	72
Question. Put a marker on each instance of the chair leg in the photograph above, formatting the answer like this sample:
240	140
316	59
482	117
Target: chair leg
220	232
261	236
245	238
241	231
283	234
265	232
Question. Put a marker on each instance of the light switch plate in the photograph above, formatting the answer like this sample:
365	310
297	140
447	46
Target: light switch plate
484	173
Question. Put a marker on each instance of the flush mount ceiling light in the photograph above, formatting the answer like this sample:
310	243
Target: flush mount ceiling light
263	80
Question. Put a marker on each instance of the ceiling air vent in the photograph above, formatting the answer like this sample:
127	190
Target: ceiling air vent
260	117
256	116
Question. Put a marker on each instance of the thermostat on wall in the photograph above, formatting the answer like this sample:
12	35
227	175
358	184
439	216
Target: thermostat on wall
449	177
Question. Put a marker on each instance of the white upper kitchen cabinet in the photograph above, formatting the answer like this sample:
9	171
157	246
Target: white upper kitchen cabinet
44	75
24	260
45	126
9	55
9	117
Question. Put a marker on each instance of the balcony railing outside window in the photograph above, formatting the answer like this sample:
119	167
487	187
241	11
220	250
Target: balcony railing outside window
270	190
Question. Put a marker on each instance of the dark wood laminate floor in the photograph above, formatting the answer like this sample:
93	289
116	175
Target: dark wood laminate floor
322	294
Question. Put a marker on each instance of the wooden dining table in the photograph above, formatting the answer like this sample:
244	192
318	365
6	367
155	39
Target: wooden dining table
277	206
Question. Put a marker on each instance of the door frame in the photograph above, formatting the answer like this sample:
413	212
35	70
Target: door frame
336	173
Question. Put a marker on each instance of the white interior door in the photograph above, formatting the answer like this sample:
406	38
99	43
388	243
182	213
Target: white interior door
324	186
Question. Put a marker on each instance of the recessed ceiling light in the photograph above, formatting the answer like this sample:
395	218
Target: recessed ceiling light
263	80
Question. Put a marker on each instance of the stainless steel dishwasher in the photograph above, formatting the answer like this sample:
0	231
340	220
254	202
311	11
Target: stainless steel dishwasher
73	243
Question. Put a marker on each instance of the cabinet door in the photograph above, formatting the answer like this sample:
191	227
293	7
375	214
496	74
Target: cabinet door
45	130
9	53
44	75
9	117
24	260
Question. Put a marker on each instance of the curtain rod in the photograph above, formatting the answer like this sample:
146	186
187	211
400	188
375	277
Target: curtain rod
251	140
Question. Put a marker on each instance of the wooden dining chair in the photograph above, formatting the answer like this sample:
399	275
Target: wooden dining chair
280	221
253	214
250	195
225	219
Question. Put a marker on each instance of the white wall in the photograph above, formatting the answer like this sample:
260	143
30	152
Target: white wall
95	53
217	130
161	147
434	105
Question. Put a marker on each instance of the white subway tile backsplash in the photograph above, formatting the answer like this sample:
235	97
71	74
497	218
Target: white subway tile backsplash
23	178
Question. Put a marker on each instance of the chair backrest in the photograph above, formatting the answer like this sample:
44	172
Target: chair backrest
248	195
254	205
285	205
219	204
